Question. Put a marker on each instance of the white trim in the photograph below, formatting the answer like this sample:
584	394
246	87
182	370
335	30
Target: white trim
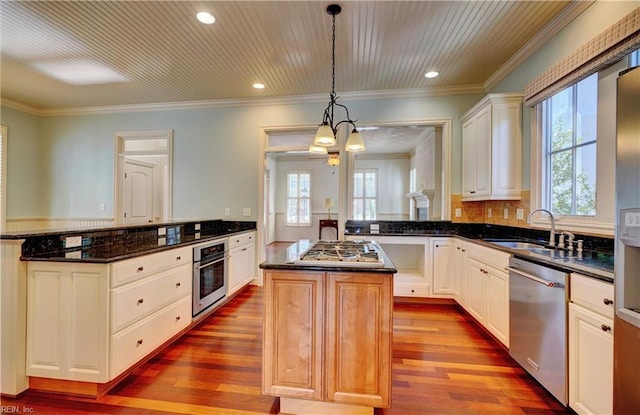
251	102
3	177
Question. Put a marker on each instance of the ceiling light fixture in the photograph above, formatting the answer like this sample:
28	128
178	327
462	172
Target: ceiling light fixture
258	85
431	74
326	135
206	18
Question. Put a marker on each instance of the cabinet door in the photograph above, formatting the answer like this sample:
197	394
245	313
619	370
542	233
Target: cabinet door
477	276
442	257
483	152
359	330
590	361
294	334
498	304
506	149
67	321
469	158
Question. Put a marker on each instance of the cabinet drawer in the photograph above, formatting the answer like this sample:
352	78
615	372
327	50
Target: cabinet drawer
593	294
404	290
138	299
241	239
135	342
136	268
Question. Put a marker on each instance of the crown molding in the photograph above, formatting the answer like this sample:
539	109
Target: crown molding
570	12
250	102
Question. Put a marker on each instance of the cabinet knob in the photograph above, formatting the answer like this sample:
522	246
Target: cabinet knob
607	301
177	284
472	192
464	250
178	258
413	291
140	342
140	268
177	318
604	327
458	248
140	301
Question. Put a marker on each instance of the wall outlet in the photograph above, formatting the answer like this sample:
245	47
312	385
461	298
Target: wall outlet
458	212
246	211
520	214
102	206
506	213
489	212
374	228
72	241
227	211
162	231
196	227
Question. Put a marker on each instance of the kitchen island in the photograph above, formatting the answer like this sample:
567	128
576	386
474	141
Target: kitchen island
327	332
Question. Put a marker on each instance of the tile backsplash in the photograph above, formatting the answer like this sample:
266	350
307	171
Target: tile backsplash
492	211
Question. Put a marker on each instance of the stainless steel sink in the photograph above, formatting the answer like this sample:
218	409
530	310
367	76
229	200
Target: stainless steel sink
518	245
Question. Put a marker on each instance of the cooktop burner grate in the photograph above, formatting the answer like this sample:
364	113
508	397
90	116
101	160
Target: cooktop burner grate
360	253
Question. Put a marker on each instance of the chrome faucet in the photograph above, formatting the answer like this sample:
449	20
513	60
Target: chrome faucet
552	232
570	237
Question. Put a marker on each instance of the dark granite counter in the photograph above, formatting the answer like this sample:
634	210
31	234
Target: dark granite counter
596	260
111	244
285	261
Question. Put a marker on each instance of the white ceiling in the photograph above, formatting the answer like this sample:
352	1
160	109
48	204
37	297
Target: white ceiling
158	53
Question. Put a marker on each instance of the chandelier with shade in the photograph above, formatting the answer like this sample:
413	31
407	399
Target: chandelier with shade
326	134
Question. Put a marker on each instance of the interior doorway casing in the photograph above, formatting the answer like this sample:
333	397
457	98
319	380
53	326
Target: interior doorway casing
145	145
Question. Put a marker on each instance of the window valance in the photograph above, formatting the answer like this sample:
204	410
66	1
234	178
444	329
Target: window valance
601	51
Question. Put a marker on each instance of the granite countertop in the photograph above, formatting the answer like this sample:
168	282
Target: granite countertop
107	253
285	260
591	263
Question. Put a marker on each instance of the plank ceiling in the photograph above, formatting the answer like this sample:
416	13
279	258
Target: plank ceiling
157	52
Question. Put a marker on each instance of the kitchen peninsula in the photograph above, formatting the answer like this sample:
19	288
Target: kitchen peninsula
328	319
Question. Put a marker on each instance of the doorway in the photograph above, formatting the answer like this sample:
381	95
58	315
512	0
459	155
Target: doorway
143	182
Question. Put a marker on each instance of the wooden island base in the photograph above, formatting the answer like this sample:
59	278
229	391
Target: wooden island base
292	406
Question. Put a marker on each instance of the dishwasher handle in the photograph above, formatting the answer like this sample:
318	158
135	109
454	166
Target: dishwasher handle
532	277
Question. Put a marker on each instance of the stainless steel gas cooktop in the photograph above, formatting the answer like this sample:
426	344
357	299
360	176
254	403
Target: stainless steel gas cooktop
342	253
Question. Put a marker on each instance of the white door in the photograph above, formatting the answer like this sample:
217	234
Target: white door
137	200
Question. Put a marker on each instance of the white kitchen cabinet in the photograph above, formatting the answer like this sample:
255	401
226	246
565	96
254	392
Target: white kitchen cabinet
443	266
487	289
90	322
492	149
591	346
459	271
242	256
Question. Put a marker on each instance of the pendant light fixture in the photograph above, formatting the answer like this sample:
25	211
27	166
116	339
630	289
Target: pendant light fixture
326	135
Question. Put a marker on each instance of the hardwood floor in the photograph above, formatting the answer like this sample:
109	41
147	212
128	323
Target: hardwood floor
443	364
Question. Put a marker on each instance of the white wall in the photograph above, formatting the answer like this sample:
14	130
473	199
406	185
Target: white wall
393	184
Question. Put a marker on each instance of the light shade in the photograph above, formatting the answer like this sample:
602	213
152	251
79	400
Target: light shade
328	203
354	142
325	136
317	149
333	160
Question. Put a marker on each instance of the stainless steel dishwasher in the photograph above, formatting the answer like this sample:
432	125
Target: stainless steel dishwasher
538	323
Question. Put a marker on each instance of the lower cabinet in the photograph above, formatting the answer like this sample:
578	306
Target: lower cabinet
590	346
242	259
91	322
443	266
487	289
327	337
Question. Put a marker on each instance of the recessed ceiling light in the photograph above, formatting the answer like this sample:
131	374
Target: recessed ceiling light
206	18
258	85
431	74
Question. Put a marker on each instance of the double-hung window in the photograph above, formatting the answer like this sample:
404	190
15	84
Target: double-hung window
298	198
365	194
569	137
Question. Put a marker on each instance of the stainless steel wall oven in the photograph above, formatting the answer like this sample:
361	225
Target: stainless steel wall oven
210	280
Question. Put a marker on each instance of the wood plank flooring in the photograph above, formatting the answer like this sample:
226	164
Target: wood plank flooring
443	364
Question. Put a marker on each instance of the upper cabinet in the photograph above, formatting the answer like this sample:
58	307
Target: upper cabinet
492	149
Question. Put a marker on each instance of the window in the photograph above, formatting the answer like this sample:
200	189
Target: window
298	198
365	194
569	128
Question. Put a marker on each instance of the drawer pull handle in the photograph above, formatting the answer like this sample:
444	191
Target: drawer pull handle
178	258
604	327
140	268
472	192
177	284
140	342
464	250
177	318
140	301
607	301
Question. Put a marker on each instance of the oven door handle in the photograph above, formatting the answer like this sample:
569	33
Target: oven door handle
198	265
532	277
